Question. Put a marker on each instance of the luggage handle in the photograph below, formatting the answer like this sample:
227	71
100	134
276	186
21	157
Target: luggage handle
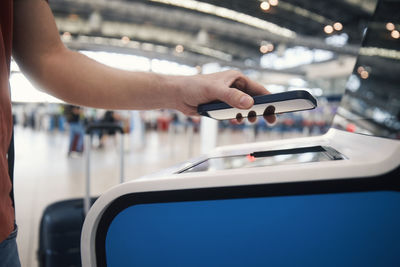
88	141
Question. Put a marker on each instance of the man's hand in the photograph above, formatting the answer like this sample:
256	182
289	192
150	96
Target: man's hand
231	87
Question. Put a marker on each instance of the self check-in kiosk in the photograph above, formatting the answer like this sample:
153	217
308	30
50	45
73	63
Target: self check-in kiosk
330	200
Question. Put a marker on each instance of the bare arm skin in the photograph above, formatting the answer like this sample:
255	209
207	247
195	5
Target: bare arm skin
77	79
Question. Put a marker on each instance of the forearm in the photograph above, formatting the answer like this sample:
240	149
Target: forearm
77	79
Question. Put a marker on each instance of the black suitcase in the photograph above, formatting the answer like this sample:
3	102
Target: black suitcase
60	233
61	223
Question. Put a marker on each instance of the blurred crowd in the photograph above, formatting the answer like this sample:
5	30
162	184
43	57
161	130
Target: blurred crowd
73	120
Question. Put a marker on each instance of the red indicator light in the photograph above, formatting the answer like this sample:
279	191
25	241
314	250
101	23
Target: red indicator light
351	128
250	158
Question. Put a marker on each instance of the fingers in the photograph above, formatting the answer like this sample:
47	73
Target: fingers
247	85
252	116
271	119
235	89
269	114
236	98
239	118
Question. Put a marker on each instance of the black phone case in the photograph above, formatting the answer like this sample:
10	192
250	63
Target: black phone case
203	109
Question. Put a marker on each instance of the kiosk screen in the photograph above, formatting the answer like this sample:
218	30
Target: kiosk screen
341	229
267	158
371	104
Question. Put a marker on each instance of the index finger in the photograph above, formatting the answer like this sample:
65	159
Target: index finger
249	86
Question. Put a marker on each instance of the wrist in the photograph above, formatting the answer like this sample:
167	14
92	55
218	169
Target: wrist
173	87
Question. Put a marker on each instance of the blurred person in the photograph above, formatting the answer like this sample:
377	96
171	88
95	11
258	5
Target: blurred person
175	122
163	121
61	118
76	128
29	33
110	117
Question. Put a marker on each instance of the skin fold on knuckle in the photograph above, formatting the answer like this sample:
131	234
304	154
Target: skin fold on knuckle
240	83
231	76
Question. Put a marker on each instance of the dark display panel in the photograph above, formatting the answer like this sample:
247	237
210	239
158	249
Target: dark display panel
372	99
267	158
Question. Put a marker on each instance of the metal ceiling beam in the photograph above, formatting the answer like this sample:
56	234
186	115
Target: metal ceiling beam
186	58
183	20
213	47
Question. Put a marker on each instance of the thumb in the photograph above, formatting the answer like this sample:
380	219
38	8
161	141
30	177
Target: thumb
237	98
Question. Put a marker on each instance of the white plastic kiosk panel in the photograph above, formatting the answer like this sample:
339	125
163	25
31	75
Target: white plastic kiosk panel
329	213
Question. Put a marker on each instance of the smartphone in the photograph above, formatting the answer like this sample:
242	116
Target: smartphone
263	105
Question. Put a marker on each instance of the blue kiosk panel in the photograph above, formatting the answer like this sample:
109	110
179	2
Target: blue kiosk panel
336	229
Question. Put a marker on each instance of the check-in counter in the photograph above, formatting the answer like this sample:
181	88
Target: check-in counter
328	200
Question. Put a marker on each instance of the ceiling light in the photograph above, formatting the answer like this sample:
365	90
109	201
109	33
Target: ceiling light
364	74
338	26
179	48
73	17
273	2
125	39
390	26
395	34
265	6
328	29
264	49
66	36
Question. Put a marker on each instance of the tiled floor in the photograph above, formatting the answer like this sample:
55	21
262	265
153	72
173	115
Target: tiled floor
44	174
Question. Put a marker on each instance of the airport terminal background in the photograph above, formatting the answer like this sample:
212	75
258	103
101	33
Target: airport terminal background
314	49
